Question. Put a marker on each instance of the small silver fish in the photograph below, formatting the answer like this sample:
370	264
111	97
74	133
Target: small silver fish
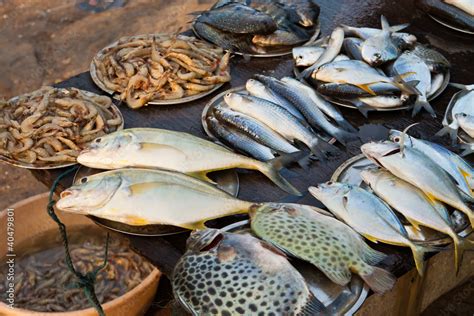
306	56
379	49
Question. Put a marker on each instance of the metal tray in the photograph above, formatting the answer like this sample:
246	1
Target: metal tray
339	300
280	51
95	78
227	180
114	109
449	25
349	172
463	137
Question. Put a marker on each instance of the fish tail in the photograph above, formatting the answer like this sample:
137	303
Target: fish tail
271	169
370	255
451	131
313	307
408	87
346	125
345	137
460	245
461	86
320	147
379	280
418	256
467	150
422	103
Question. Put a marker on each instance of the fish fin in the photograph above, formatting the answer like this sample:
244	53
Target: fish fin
408	87
467	150
313	307
452	132
405	136
366	88
379	280
271	169
465	175
346	125
338	275
320	147
461	86
202	175
135	220
384	23
286	159
363	108
431	198
414	223
422	104
371	256
460	245
399	27
345	137
371	238
418	256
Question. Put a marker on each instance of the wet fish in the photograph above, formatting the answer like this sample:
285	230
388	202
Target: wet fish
170	150
306	56
466	122
349	91
255	129
240	141
353	47
417	70
437	81
143	197
402	40
278	119
341	57
330	245
366	104
278	38
461	102
237	274
306	106
465	5
237	18
460	170
326	107
416	168
435	61
332	50
417	208
447	12
379	49
361	75
368	215
259	90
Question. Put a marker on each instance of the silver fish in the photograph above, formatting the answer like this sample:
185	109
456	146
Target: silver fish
379	49
366	104
404	40
341	57
237	274
466	122
416	168
353	47
435	61
368	215
416	70
349	91
437	81
306	56
278	119
240	141
260	90
255	129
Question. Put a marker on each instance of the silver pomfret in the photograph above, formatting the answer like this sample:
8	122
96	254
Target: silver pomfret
381	48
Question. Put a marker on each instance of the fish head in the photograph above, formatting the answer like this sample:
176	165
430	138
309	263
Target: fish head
204	239
104	149
378	50
374	151
396	137
408	39
254	85
233	98
329	190
89	195
463	118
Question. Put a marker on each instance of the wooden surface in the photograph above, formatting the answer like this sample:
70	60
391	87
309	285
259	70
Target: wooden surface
457	47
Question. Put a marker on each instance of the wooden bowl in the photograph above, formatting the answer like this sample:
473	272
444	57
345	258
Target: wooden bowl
31	219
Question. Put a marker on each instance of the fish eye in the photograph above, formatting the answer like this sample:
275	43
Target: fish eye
98	140
228	94
377	55
396	139
84	180
330	183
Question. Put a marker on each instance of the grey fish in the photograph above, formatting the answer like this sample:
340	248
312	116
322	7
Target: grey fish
368	215
232	274
402	40
366	104
304	232
255	129
305	105
326	107
447	12
306	56
460	170
240	141
353	47
379	49
416	168
278	38
435	61
238	19
259	90
348	91
416	70
278	119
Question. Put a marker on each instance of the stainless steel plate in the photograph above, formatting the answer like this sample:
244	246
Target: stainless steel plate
20	164
349	172
339	300
447	24
227	180
99	83
279	51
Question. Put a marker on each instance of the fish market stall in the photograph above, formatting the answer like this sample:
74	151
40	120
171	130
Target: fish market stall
411	293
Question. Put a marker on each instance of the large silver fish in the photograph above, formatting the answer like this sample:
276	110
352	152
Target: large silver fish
368	215
404	40
353	47
381	48
170	150
232	274
322	240
416	168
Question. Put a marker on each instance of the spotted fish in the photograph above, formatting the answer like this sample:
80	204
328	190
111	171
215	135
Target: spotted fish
330	245
237	274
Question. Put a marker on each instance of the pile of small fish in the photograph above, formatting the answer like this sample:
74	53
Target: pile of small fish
417	179
458	13
271	115
460	115
48	127
258	26
159	67
374	69
43	281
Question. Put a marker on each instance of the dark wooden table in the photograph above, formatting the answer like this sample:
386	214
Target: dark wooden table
457	47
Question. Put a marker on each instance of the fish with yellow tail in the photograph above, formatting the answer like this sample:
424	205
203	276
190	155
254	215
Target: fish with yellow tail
140	197
176	151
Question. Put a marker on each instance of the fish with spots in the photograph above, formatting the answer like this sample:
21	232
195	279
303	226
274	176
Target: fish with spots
311	234
226	274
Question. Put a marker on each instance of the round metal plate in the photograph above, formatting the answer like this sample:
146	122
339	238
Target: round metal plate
95	78
227	181
277	52
114	109
448	25
448	118
339	300
349	172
